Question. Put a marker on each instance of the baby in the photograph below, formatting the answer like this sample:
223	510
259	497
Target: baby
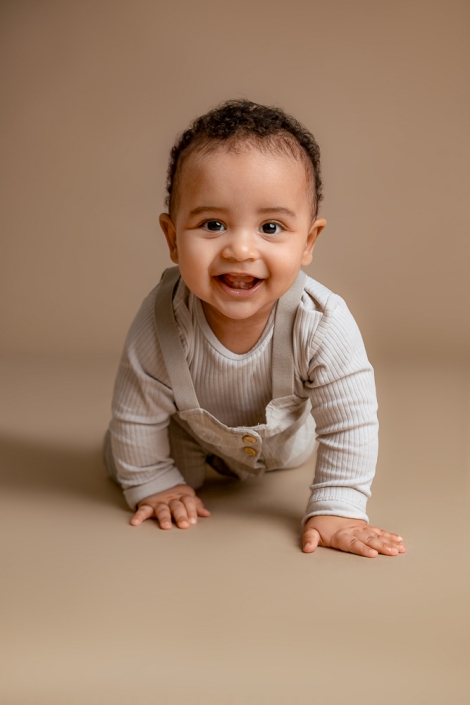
237	360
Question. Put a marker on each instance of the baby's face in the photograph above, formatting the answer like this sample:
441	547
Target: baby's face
242	230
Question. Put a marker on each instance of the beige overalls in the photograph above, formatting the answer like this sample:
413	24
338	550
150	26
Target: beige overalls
197	438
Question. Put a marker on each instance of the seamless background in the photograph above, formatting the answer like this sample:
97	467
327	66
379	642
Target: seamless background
94	93
231	612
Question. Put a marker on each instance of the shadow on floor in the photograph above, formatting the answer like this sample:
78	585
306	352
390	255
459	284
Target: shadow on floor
277	497
36	467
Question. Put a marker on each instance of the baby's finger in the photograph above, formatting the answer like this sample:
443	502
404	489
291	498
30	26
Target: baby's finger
190	505
180	514
352	544
394	538
310	540
163	514
387	548
391	548
144	512
382	541
200	508
388	535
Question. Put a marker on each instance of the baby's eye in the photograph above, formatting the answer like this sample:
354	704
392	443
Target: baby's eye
271	228
214	225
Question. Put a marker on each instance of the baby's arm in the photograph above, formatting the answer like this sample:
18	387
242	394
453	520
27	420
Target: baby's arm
341	387
143	403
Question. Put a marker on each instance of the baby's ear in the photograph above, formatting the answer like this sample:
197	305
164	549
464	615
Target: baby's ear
312	237
169	231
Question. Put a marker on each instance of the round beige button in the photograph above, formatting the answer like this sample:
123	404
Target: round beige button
249	439
249	451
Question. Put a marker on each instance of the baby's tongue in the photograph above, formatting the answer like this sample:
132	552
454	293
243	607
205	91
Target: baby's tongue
238	281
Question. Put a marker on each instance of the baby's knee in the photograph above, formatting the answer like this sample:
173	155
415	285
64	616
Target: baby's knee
220	466
107	455
194	480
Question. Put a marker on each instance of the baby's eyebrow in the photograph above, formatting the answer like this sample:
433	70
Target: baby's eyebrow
218	209
205	209
277	209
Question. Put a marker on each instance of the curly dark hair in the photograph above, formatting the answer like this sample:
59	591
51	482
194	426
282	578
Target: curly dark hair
241	121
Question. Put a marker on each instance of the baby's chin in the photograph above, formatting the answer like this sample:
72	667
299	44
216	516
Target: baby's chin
236	311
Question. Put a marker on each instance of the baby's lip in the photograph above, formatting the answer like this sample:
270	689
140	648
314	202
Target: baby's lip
239	281
239	276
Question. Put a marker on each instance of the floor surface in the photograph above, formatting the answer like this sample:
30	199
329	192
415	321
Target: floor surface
231	611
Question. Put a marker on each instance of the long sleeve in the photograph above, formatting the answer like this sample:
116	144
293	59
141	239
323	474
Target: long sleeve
142	405
331	369
341	388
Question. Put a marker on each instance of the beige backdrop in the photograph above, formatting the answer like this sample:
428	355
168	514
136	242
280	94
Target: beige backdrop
93	94
230	612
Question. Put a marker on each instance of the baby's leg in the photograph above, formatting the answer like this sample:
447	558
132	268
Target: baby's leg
189	457
108	457
220	466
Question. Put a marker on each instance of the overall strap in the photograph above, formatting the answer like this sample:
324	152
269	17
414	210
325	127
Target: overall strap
175	359
283	339
170	343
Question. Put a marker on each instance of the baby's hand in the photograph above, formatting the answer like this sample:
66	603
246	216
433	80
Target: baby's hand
179	502
352	535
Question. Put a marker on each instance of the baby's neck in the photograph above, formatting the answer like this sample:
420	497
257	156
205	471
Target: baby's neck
238	336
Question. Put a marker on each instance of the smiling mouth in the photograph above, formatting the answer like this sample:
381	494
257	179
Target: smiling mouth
238	281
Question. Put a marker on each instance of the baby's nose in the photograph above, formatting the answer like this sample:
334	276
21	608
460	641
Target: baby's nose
241	246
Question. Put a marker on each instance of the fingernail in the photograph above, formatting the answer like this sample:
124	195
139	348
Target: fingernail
192	520
308	545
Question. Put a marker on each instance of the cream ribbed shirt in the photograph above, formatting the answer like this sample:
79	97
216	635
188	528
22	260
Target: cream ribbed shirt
331	369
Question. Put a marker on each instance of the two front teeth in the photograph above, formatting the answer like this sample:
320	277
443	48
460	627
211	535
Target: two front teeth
238	281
